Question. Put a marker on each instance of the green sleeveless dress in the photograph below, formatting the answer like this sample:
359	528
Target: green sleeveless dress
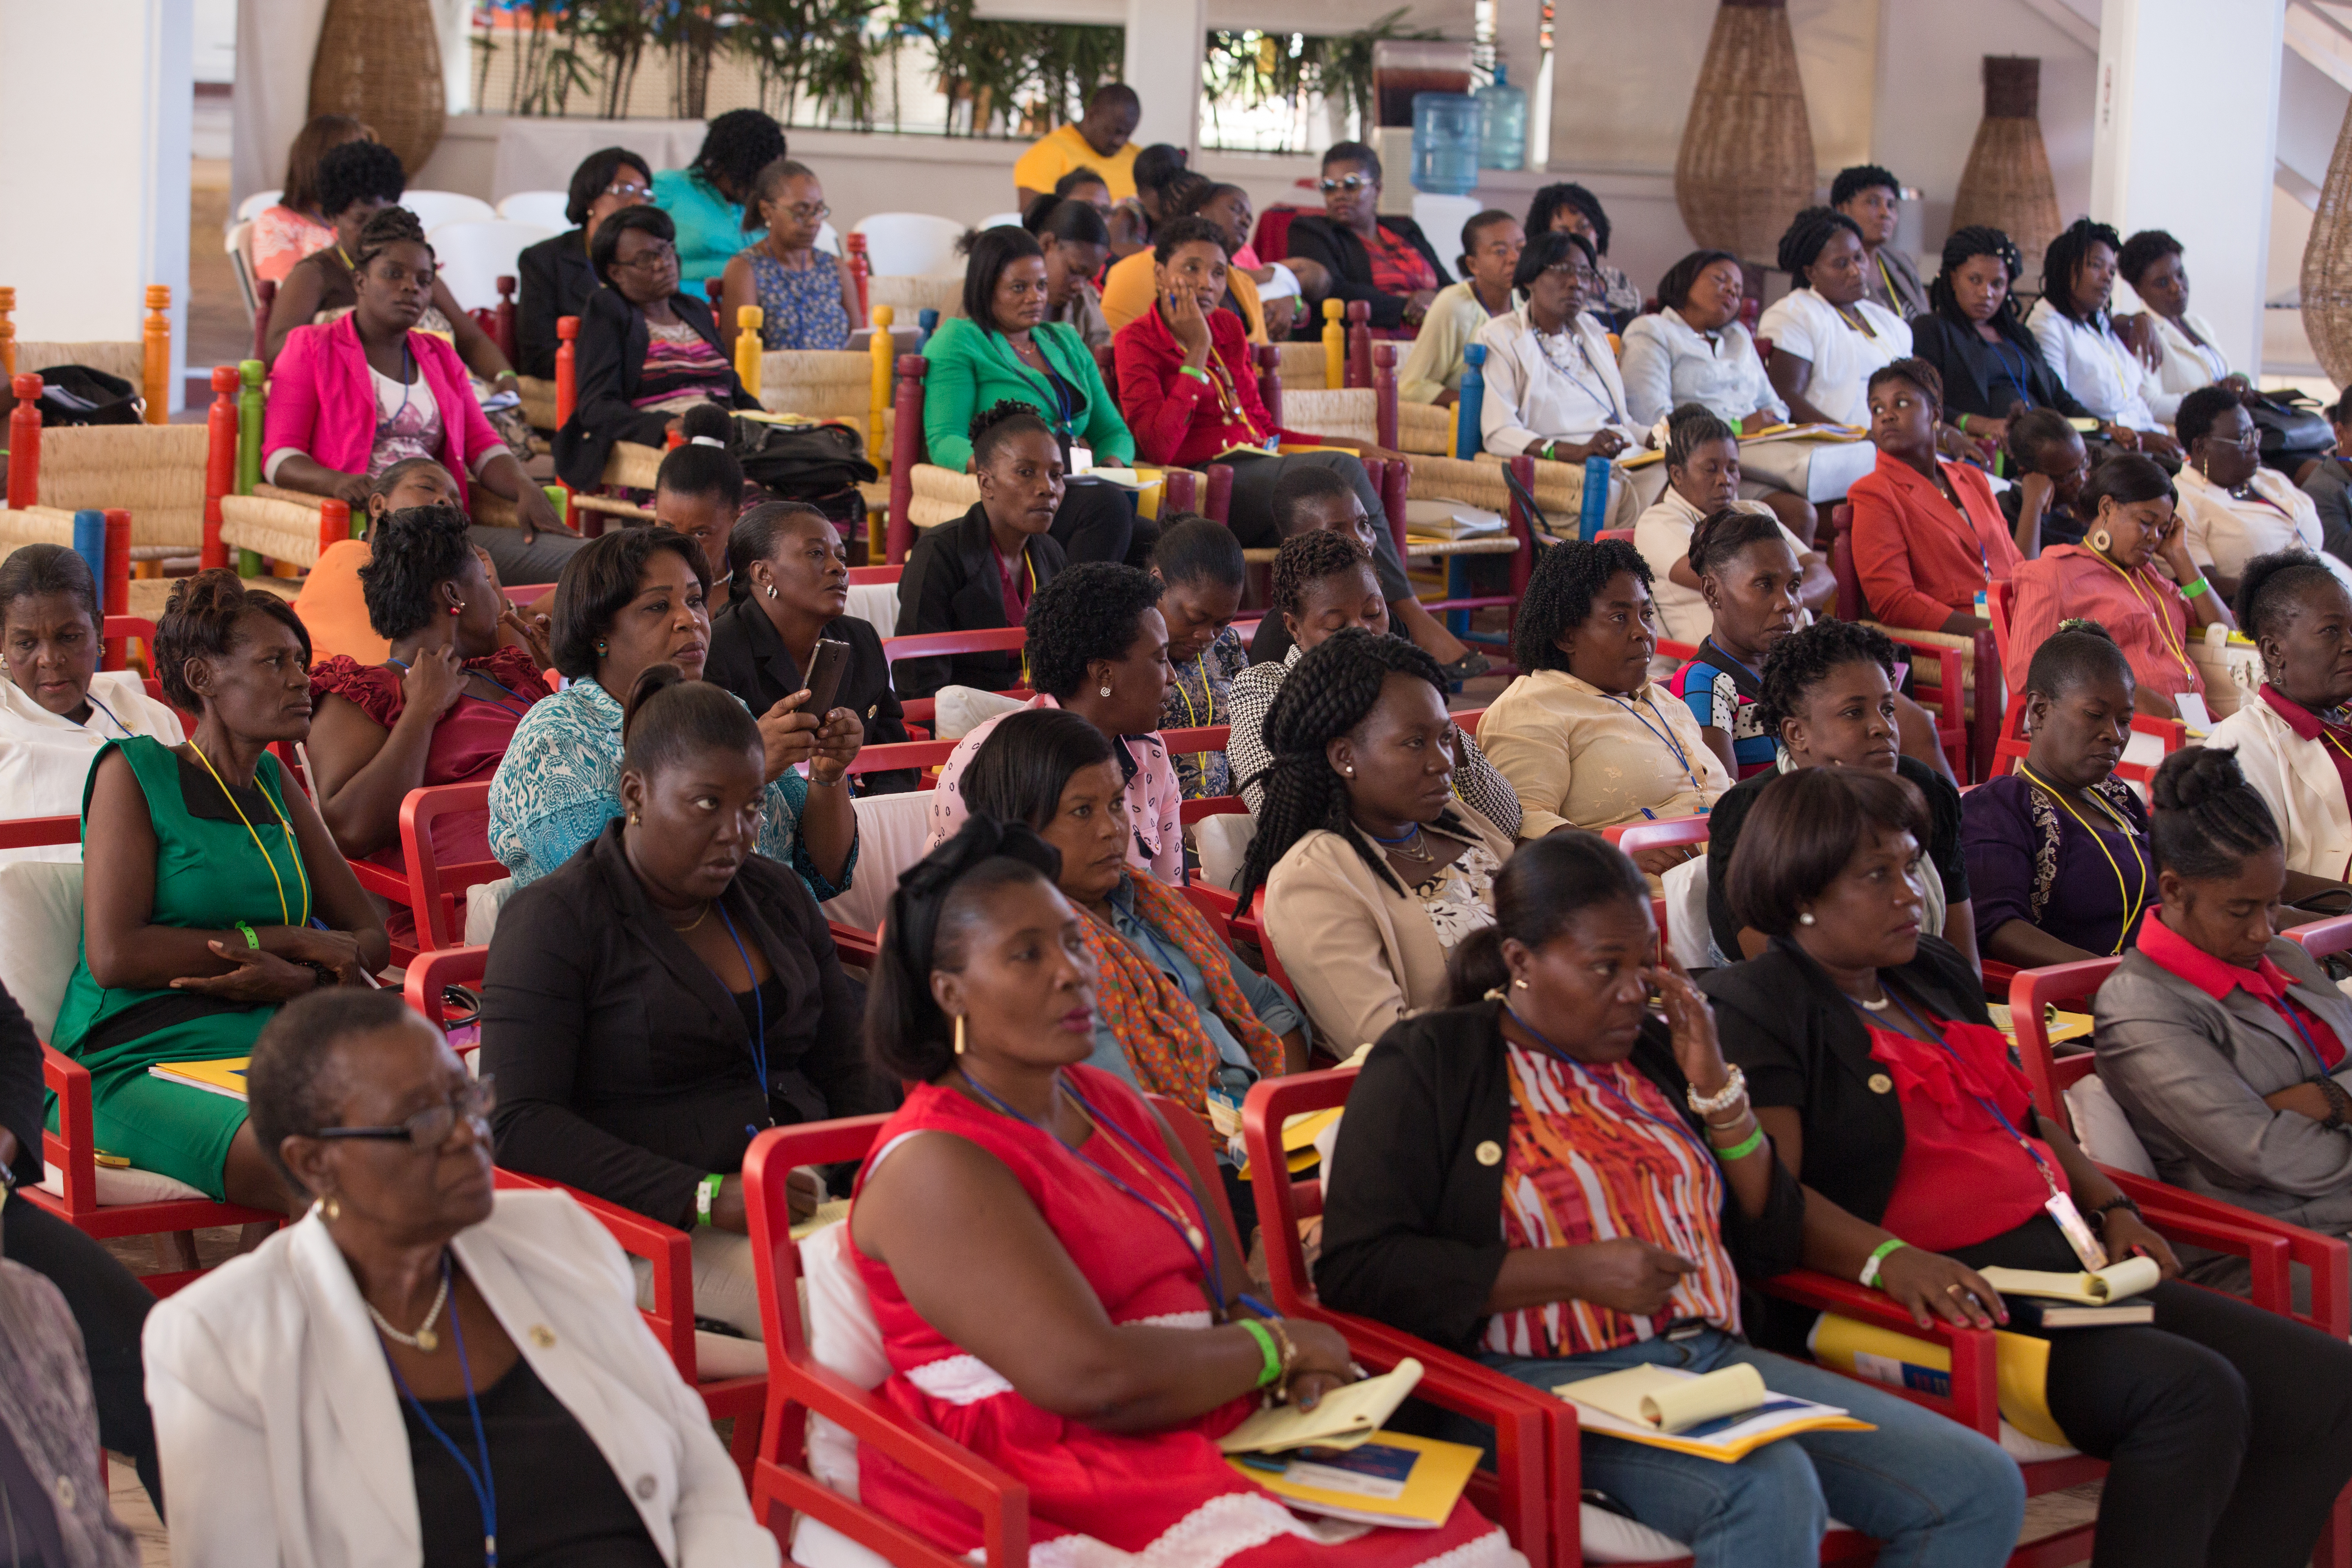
208	875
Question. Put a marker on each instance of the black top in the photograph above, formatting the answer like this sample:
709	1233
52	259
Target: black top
951	584
1981	378
22	1091
1343	255
558	1503
624	1066
552	280
1943	844
1411	1231
609	357
749	659
2059	524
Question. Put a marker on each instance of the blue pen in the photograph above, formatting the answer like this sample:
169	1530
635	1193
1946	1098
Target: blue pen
1648	813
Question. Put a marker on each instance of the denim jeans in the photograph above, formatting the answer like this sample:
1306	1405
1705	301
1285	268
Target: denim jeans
1936	1493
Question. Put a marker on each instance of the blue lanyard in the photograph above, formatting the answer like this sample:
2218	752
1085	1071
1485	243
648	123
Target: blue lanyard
1997	1113
759	1010
485	1484
1066	411
2000	349
469	669
92	699
1662	733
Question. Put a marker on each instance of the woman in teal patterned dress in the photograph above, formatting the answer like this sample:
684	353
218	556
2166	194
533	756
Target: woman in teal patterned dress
807	299
212	893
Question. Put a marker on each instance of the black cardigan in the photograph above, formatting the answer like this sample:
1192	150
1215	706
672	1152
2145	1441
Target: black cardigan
1968	364
624	1065
552	280
609	357
951	584
749	659
1411	1231
1343	256
21	1088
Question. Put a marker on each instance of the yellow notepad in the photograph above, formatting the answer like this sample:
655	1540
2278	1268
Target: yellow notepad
1342	1419
830	1213
1740	1425
225	1075
2132	1277
2057	1026
2021	1368
1298	1134
1394	1480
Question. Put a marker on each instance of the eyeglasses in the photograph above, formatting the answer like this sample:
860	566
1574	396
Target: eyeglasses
2250	441
629	192
1346	183
430	1128
808	212
653	257
1579	270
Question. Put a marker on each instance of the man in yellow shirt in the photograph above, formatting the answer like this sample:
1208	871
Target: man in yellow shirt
1098	141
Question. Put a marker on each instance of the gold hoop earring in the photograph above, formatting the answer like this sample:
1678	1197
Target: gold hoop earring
959	1033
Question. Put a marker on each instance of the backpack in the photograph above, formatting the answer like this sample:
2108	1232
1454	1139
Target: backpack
77	395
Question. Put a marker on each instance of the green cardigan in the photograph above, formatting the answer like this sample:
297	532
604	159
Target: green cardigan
710	227
971	370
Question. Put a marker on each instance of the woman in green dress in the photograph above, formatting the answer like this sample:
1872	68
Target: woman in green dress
211	893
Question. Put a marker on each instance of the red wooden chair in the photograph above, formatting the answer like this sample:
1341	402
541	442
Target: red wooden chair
1664	832
388	883
434	893
2014	745
932	645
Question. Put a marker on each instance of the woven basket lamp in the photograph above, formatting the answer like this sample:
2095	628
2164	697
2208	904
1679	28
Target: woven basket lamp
2327	265
380	61
2007	183
1746	166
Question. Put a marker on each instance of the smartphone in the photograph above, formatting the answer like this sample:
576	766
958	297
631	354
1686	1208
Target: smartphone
826	667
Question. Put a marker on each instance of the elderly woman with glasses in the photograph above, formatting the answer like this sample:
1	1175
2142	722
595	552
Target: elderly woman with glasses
554	275
425	1368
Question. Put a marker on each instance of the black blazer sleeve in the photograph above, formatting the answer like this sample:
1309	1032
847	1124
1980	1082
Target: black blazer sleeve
610	354
835	1063
1343	256
21	1088
928	587
538	303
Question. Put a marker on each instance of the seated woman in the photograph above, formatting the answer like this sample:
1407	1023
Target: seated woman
1637	1193
1749	578
1552	388
1372	871
293	226
1311	497
1992	367
787	557
1828	698
1098	647
554	278
1281	289
1827	337
2047	463
187	851
441	709
1571	209
981	572
2228	1103
614	1010
1918	519
2236	508
1029	1213
1886	1090
1324	584
806	297
699	491
2328	482
1003	349
2080	343
2058	866
1076	243
1584	737
351	398
1873	197
2151	262
1432	372
1702	478
1133	284
2111	578
2290	739
58	709
1381	258
633	599
346	1345
1694	349
1201	574
705	200
648	350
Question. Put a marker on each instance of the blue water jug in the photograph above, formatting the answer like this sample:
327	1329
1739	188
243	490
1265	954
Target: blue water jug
1502	122
1445	143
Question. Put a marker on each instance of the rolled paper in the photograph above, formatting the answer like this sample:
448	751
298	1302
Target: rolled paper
2132	1277
1725	1392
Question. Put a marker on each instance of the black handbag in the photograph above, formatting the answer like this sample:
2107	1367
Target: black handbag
77	395
2292	429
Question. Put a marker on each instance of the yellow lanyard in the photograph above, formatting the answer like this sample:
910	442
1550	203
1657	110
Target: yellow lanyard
2132	905
1192	719
2156	613
1893	295
268	860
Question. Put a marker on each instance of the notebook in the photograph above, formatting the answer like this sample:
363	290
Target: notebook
1728	1418
1407	1482
226	1077
2132	1277
1342	1419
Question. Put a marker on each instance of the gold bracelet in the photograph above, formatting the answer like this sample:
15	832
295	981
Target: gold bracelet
1289	1353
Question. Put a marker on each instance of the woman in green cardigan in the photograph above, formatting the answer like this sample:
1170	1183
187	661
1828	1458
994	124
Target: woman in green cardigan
1004	350
705	199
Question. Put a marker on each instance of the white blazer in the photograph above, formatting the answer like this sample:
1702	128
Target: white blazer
280	1430
2297	780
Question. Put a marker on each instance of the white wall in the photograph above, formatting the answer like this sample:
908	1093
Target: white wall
114	192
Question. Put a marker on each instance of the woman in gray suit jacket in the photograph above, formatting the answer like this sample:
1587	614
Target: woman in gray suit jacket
2223	1041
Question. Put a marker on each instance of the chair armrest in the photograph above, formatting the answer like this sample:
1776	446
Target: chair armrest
2173	1212
671	1254
855	945
71	1147
1975	1400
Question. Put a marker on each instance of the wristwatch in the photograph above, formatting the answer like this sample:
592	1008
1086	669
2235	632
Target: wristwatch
2119	1200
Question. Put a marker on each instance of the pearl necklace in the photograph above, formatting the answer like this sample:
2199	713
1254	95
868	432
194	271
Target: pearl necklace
423	1339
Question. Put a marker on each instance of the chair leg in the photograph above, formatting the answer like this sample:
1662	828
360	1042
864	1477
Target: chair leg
175	1252
743	1446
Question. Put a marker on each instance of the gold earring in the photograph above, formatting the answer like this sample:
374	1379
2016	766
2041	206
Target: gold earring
635	820
1518	985
331	1206
959	1033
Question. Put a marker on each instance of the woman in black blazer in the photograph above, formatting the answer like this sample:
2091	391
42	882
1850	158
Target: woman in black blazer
1973	334
624	391
1885	1090
667	993
1338	240
791	589
554	276
1514	1180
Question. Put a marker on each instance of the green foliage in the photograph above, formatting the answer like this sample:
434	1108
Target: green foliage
1256	70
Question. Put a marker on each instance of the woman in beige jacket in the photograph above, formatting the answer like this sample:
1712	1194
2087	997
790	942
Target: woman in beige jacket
1372	871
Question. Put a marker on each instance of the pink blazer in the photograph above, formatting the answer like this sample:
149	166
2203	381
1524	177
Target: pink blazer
322	401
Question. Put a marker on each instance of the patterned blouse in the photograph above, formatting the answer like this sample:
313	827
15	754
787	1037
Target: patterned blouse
682	369
1200	694
1153	805
561	782
1459	897
800	308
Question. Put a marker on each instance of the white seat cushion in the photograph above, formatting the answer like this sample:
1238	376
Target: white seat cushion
1686	929
1223	843
124	1184
2105	1131
890	833
40	936
963	709
877	604
483	902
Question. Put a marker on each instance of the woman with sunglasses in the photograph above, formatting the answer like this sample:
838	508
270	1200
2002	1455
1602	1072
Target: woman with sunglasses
1380	258
425	1368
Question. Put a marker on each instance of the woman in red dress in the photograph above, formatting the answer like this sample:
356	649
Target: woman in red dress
1055	1291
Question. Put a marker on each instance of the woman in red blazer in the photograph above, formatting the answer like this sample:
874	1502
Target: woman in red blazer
1927	535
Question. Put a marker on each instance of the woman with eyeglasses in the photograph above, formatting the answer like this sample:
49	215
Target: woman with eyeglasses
554	277
1552	387
425	1368
1380	258
807	299
2233	507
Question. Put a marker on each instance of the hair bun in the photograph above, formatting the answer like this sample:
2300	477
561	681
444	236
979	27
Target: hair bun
706	421
207	594
651	681
2087	626
2195	776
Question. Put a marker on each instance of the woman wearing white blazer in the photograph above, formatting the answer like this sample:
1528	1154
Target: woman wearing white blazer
422	1368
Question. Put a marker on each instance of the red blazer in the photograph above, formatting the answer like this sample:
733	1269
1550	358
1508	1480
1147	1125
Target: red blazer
1918	564
1177	418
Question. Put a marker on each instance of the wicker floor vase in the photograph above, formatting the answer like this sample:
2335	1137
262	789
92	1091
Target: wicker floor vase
2007	183
2327	265
380	61
1746	166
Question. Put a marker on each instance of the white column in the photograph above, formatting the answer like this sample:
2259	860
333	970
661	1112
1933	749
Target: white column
2185	138
101	105
1165	39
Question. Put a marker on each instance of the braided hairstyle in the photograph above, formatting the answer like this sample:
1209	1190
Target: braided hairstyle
2268	587
409	551
2064	256
1328	694
1560	595
1965	245
389	227
1722	535
739	144
999	423
200	620
1089	611
1804	659
1689	428
1307	558
1808	232
2207	818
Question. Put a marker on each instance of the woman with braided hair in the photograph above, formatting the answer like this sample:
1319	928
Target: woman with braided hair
1827	337
2080	344
1372	871
1992	367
